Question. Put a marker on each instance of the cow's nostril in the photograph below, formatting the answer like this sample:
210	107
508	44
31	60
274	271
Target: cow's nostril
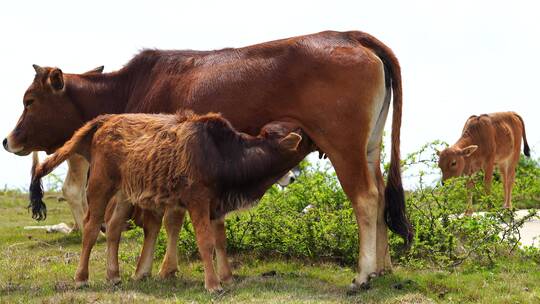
5	143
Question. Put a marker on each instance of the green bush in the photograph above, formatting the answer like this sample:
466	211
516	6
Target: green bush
281	225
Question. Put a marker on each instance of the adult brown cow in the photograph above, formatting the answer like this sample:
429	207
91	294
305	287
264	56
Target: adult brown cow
487	141
337	86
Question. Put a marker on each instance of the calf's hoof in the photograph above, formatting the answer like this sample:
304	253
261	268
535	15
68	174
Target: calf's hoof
167	274
215	290
140	276
81	284
227	280
115	281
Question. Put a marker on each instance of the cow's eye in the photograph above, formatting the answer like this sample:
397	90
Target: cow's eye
28	103
453	163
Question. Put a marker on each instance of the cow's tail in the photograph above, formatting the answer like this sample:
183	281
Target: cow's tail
395	210
526	149
80	139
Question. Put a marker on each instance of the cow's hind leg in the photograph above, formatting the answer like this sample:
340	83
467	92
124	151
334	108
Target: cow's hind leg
151	226
100	191
115	226
359	184
384	263
224	269
74	188
172	220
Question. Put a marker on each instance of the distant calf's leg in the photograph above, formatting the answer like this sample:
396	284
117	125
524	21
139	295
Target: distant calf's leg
173	220
115	226
74	188
509	185
224	269
151	226
488	176
200	216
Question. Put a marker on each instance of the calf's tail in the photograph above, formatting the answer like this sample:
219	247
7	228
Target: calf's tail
526	149
74	145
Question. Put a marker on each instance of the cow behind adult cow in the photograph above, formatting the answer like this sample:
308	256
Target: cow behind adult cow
183	161
487	141
337	86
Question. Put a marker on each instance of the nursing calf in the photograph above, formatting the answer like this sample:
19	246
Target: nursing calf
168	162
487	141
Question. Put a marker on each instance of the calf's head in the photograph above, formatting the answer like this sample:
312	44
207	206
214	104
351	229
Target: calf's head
453	160
49	117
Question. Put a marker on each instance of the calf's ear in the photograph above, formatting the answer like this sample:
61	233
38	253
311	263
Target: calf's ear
291	141
56	78
468	151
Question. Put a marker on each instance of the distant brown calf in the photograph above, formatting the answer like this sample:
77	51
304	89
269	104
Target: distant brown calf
486	141
166	162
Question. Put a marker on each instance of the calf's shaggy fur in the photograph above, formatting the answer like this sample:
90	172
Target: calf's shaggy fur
164	162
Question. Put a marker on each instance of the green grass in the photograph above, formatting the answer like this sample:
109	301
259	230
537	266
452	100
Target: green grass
39	267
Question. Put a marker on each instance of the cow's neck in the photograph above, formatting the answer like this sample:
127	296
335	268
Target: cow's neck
98	94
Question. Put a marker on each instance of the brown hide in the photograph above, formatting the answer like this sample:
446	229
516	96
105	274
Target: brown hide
154	158
327	83
159	162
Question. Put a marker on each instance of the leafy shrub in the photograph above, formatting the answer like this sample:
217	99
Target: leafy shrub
313	219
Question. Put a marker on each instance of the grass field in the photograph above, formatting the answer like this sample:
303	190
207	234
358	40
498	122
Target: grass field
38	267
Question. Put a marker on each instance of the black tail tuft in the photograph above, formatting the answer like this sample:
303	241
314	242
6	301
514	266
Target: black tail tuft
526	150
39	210
395	213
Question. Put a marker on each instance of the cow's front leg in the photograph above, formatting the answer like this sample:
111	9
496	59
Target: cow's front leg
74	188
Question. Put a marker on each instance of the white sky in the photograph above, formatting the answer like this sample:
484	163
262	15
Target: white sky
458	57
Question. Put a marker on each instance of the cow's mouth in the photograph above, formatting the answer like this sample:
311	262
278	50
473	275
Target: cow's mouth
7	143
22	153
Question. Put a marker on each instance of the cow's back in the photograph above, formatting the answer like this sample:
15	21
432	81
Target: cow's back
253	85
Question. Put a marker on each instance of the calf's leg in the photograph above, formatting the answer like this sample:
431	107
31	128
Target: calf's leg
200	217
100	191
224	269
173	220
115	226
151	226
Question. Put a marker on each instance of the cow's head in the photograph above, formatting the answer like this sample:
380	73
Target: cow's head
49	117
452	160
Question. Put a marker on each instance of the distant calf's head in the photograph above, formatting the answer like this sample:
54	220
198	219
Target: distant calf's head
453	160
49	117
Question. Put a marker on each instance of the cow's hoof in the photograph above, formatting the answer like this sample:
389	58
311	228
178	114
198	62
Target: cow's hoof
356	286
81	284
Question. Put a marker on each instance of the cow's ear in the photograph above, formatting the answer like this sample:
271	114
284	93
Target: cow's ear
56	78
38	69
291	141
468	151
438	152
97	70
